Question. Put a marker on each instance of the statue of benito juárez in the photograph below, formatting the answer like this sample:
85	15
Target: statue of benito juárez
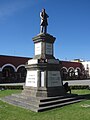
44	22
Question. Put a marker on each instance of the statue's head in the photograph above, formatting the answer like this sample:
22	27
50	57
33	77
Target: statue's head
43	10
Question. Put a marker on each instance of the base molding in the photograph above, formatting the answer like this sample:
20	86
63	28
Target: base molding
44	92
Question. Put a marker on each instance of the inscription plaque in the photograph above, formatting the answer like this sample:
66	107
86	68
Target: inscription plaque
49	49
31	78
38	48
54	79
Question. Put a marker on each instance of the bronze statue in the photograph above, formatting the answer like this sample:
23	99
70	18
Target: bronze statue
44	22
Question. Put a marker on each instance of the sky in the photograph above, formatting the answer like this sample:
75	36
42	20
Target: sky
69	22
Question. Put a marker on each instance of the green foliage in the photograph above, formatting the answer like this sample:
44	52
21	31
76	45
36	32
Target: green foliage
81	92
75	87
19	87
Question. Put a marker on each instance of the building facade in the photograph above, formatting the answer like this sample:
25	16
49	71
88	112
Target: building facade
12	69
86	65
72	70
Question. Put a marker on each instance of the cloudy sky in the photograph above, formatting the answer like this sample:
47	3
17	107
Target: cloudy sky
69	22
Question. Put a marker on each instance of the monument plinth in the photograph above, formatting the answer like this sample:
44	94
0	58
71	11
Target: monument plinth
44	46
43	71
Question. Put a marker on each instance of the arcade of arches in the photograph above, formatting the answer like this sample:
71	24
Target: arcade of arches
10	75
72	73
12	69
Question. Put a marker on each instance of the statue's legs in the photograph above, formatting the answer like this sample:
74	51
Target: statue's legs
41	29
45	29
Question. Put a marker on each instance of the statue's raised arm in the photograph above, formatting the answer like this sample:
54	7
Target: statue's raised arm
44	23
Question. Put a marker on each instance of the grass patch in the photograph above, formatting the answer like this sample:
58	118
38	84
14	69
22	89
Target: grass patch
70	112
81	92
8	92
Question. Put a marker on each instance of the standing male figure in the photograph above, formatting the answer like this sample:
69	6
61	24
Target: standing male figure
44	22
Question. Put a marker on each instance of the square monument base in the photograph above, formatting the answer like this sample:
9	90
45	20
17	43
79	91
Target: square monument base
39	104
44	92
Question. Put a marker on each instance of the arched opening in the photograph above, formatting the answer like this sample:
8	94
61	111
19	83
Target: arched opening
8	74
21	74
71	73
78	73
64	73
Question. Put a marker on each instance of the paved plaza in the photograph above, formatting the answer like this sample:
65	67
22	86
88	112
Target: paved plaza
78	82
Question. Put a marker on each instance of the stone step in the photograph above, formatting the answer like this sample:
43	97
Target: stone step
20	104
47	100
43	99
38	104
57	98
21	96
23	101
41	109
49	103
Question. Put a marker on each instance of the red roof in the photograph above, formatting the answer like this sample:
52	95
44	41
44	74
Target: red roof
14	60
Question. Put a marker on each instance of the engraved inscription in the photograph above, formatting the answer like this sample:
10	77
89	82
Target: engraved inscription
49	49
54	78
37	48
31	79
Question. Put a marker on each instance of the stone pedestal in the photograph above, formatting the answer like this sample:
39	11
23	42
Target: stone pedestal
43	72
